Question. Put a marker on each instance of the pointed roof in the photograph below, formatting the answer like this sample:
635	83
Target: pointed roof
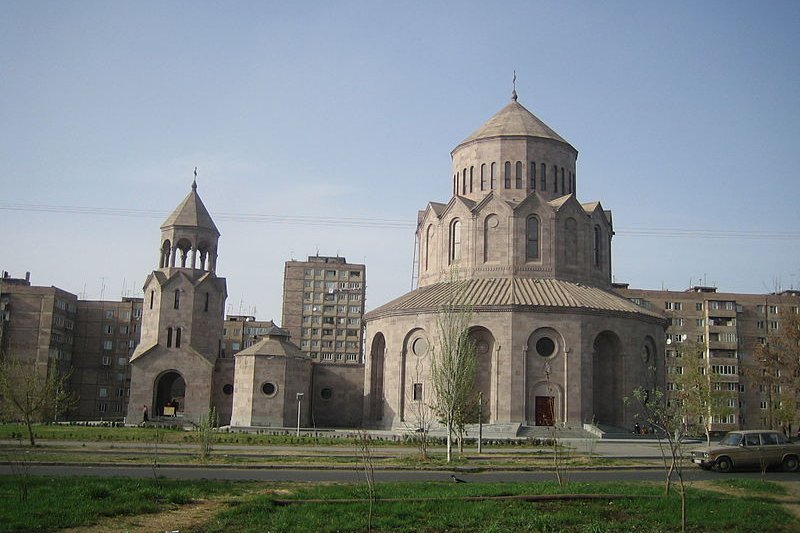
514	120
191	212
274	343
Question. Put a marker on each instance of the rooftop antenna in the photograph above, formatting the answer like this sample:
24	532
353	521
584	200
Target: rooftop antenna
514	85
102	287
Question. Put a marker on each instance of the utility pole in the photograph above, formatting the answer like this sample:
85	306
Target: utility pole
299	399
480	421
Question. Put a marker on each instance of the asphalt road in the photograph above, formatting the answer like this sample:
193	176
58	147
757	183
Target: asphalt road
353	475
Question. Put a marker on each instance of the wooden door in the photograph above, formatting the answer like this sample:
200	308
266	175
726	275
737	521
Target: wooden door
545	410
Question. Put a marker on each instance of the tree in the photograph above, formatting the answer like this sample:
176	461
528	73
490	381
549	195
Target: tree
31	395
666	417
775	369
453	363
702	400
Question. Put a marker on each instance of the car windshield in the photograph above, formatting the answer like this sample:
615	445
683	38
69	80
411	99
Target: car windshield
731	439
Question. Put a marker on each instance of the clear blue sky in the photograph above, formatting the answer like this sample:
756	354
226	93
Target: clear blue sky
685	115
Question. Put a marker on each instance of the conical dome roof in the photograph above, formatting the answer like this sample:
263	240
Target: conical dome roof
191	212
514	121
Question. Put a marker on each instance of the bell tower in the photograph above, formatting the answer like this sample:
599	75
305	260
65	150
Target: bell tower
184	302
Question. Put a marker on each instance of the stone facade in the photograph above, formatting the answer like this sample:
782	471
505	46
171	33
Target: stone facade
531	266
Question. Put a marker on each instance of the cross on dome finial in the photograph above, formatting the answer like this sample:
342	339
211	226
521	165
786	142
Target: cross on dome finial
194	181
514	84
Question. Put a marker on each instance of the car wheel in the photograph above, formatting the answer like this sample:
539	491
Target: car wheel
790	463
724	465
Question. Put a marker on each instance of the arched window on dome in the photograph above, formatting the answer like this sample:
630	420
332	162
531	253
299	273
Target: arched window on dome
428	242
490	225
571	244
483	176
455	184
532	238
169	337
507	175
543	177
518	175
563	189
532	177
464	181
455	241
597	247
555	178
178	338
471	178
492	176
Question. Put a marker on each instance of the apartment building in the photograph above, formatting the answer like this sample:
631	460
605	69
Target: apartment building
323	308
730	326
106	334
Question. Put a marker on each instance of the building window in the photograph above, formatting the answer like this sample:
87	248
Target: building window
532	177
103	392
428	241
455	240
492	176
532	238
169	337
543	177
205	307
471	178
106	360
483	176
269	389
597	248
108	345
108	329
555	178
227	389
177	298
698	306
518	175
326	393
178	338
417	392
507	175
109	314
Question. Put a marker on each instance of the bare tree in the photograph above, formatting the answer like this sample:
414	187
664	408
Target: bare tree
666	417
702	399
775	368
422	414
453	362
30	394
364	448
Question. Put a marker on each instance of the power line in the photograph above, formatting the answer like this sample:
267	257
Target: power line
384	223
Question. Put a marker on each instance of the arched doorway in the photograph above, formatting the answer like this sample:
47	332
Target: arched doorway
170	394
376	355
607	376
484	349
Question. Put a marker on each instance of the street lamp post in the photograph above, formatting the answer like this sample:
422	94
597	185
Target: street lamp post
480	421
299	399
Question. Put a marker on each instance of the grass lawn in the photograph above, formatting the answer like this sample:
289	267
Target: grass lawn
55	503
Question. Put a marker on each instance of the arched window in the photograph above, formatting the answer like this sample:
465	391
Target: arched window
428	240
518	177
464	181
563	190
532	177
489	226
571	248
471	177
455	241
169	337
483	176
531	238
205	307
543	177
574	183
152	295
178	338
177	299
507	175
455	184
555	178
492	176
598	246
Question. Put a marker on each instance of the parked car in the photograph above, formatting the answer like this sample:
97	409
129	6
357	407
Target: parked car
749	449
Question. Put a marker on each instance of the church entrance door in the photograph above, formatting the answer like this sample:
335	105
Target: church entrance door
544	410
170	394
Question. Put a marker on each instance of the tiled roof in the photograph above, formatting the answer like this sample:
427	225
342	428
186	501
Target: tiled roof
275	343
514	120
191	212
482	294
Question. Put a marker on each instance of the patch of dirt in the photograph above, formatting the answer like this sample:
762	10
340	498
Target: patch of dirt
790	500
177	518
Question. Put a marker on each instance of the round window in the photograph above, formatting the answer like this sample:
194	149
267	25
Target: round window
545	346
419	347
269	388
227	389
326	393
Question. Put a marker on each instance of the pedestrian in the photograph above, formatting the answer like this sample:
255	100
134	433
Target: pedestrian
637	428
145	418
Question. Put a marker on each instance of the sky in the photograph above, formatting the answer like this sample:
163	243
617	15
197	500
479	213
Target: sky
323	127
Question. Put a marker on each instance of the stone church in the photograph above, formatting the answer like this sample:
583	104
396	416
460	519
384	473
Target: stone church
532	264
554	344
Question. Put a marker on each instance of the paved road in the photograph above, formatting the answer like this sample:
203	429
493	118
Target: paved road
347	475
